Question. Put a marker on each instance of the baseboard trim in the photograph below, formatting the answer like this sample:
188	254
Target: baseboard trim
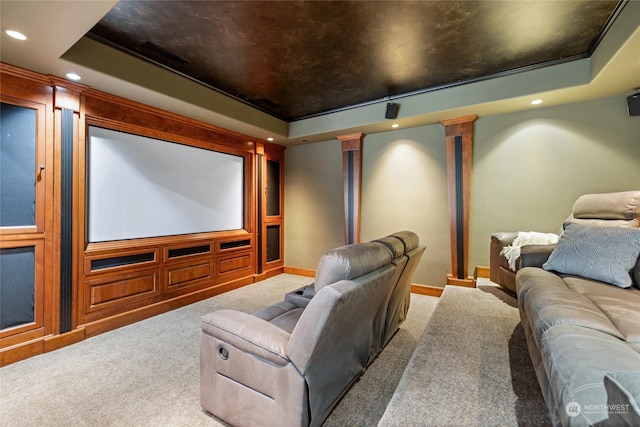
482	272
307	272
58	341
432	291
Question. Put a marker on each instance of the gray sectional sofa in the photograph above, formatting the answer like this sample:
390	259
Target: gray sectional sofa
580	310
290	363
619	209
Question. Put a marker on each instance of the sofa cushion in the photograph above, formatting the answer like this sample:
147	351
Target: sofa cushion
620	306
576	361
351	261
607	254
549	302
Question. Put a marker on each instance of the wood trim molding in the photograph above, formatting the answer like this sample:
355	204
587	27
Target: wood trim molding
432	291
459	149
352	178
67	94
300	271
483	272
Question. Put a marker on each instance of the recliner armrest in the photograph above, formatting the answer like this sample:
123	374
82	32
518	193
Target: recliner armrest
301	297
248	333
534	255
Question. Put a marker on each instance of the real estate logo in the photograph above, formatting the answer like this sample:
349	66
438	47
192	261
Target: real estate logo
573	409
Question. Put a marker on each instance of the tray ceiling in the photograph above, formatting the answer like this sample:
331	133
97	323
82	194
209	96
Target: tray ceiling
300	59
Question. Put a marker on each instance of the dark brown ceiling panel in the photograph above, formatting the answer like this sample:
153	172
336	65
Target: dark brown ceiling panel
297	59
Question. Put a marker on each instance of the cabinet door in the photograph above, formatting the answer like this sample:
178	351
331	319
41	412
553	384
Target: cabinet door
22	211
272	218
21	157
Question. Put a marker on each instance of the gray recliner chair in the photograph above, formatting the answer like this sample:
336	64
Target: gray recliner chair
288	365
400	296
406	251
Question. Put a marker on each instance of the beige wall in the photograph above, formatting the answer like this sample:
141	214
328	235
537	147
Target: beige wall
528	169
314	216
404	187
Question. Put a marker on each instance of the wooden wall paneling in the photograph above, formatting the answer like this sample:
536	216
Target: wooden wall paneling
31	90
459	145
110	297
352	178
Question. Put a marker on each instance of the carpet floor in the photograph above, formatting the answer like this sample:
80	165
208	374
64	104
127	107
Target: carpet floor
471	367
147	373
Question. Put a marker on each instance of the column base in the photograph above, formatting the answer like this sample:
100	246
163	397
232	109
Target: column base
469	282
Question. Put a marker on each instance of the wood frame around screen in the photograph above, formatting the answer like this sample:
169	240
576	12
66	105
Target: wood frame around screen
182	136
119	114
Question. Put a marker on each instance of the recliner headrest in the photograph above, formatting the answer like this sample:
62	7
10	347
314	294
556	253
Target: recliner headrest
408	238
623	205
351	261
394	244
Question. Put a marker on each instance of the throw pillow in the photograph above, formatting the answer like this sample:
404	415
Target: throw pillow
606	254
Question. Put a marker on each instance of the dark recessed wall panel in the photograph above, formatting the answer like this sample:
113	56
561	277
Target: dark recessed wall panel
273	243
17	166
273	188
17	286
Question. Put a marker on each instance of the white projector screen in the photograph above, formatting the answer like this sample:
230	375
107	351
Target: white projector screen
145	187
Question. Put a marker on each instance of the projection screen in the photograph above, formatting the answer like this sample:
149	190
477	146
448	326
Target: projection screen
145	187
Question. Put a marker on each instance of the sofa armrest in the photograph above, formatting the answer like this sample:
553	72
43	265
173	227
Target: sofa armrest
498	241
249	334
504	238
534	255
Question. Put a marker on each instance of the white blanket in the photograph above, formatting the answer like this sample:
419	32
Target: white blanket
512	252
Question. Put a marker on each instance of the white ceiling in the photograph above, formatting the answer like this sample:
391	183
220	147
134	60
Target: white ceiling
55	46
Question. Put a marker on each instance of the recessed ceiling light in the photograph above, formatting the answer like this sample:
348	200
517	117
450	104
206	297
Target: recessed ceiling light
395	125
15	34
73	76
536	102
269	139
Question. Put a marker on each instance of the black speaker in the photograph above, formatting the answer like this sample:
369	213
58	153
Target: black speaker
633	104
391	111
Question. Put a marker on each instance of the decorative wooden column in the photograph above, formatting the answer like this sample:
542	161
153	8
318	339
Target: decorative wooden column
459	145
352	176
67	203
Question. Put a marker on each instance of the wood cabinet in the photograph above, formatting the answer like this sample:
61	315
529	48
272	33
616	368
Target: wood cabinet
27	293
78	288
271	209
